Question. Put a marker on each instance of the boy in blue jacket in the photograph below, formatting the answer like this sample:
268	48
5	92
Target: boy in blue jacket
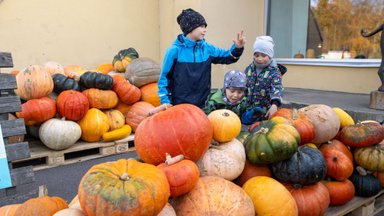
186	71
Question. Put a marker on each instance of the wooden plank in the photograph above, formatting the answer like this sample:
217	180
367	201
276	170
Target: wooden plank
7	81
6	60
13	127
22	175
17	151
10	104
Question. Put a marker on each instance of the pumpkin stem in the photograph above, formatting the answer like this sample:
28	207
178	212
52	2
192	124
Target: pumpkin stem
294	114
124	177
263	130
334	159
169	160
225	114
361	171
158	109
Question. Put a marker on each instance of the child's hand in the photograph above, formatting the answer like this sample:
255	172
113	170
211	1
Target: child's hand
271	111
240	40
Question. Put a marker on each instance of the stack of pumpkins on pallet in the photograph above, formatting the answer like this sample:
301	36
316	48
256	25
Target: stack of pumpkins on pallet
64	104
298	163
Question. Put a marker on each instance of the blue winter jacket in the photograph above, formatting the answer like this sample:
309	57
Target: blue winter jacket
186	72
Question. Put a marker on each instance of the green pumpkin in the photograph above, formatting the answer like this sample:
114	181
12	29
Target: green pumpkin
306	166
272	143
62	83
96	80
366	185
123	58
370	158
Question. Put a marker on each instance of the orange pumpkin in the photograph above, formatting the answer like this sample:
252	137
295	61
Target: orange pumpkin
123	187
37	111
9	210
72	105
101	99
182	175
116	119
122	107
93	125
54	67
104	68
337	145
214	196
34	82
340	192
127	92
149	94
42	206
339	166
137	113
74	71
181	129
226	125
251	170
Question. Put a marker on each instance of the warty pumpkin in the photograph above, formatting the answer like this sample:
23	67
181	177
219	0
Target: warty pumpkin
93	125
42	206
226	125
37	111
101	99
127	93
72	105
362	134
123	187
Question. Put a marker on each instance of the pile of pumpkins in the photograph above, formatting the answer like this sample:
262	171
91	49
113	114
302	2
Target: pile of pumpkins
299	162
64	104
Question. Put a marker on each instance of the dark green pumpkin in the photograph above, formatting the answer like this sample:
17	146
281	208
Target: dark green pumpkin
96	80
62	83
365	185
272	143
306	166
370	158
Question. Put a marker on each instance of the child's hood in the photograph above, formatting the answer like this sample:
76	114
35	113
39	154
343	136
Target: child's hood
181	40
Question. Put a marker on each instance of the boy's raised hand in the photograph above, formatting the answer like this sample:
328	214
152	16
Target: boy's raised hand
240	40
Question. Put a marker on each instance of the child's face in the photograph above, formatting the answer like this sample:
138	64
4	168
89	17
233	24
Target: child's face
198	33
233	94
261	58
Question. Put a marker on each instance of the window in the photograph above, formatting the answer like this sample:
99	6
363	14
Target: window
325	29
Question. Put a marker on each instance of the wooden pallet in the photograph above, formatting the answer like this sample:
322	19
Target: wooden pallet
43	157
359	206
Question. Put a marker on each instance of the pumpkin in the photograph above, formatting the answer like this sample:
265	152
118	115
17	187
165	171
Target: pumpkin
214	196
122	107
123	187
104	68
181	129
93	125
59	134
54	67
270	197
345	118
42	206
325	121
340	192
137	113
33	82
62	83
251	170
75	203
149	94
14	138
116	119
36	111
117	134
101	99
370	158
366	185
142	71
226	125
380	177
167	211
72	105
337	145
124	58
310	199
182	174
96	80
362	134
226	160
271	143
339	166
74	71
126	92
70	212
9	210
300	121
306	166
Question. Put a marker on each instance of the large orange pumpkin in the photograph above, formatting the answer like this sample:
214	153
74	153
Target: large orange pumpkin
93	125
72	105
34	82
214	196
181	129
36	111
123	187
9	210
226	125
137	113
149	94
42	206
127	92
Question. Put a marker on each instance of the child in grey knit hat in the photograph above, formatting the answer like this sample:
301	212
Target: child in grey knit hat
264	77
186	71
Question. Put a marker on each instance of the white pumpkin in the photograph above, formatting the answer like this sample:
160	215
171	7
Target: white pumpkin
226	160
59	134
167	211
70	212
325	121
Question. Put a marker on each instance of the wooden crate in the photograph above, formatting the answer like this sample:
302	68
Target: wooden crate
21	177
42	157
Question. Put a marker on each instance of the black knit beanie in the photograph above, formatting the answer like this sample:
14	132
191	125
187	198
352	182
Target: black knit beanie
189	20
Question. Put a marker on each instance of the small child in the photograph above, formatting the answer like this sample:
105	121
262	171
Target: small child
232	97
264	76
